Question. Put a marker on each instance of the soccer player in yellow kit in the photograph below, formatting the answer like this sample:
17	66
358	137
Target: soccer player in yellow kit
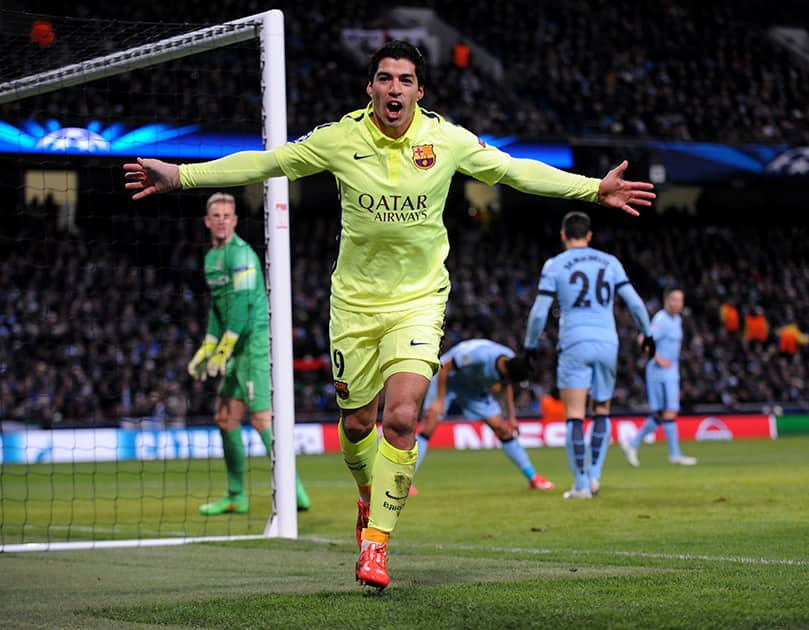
393	162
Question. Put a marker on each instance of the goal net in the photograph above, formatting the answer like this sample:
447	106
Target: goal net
105	439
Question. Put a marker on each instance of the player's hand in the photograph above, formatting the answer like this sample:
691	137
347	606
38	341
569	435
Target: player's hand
515	426
151	176
198	366
436	410
615	192
649	346
217	362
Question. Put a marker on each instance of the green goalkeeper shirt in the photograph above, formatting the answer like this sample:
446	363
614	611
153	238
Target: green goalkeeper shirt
393	242
238	298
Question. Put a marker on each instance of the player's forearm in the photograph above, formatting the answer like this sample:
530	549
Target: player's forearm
238	169
510	402
537	320
214	325
537	178
636	307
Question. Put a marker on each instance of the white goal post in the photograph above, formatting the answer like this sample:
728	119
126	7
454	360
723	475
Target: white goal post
268	27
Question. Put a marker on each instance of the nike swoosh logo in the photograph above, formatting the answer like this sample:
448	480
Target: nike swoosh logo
413	342
390	496
362	157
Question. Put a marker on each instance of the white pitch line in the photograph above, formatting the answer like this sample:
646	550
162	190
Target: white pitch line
687	557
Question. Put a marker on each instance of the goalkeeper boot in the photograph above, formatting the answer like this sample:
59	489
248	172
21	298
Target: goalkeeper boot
363	514
540	483
372	566
231	503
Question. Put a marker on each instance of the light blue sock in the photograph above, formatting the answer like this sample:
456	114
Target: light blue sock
576	452
672	437
650	426
516	453
599	442
421	443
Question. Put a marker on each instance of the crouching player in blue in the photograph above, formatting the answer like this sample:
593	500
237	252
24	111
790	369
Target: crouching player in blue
471	372
584	281
663	381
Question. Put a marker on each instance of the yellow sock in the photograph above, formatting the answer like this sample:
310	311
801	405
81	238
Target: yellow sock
359	457
393	473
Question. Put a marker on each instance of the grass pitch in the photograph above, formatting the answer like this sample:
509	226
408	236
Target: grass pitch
724	544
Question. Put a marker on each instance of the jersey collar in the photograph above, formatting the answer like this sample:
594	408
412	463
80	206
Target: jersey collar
377	134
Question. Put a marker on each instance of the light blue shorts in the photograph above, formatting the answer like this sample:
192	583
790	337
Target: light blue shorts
663	393
589	364
480	406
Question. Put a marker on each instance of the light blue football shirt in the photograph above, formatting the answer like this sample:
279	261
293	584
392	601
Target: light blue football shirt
667	331
475	365
584	281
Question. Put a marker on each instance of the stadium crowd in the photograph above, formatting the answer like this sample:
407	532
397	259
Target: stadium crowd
97	330
670	69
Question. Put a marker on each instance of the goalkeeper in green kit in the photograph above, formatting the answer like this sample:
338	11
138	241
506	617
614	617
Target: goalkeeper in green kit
236	347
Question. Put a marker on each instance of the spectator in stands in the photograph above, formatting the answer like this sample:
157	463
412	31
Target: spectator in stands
729	316
756	327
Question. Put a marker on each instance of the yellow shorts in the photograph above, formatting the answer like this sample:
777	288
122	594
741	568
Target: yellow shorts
367	348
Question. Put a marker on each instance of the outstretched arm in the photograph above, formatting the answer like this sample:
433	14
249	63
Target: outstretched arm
613	191
149	176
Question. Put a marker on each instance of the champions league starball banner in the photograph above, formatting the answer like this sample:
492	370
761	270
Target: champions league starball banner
97	138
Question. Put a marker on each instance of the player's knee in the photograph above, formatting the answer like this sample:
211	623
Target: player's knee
357	424
503	431
222	419
401	417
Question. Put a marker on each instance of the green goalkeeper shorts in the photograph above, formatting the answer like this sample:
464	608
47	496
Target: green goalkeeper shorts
247	375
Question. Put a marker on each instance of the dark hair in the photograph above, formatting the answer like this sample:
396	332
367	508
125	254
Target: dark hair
576	224
517	369
670	289
398	49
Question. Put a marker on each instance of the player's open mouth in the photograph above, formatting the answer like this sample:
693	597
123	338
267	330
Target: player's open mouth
394	108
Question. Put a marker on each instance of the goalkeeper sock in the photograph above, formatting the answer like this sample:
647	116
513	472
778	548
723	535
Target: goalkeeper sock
393	474
599	442
516	453
233	448
266	440
360	457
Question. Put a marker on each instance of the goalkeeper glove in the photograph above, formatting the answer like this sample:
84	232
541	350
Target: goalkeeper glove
217	363
197	367
648	345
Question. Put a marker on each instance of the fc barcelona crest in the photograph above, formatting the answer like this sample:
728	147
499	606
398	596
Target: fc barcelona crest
423	156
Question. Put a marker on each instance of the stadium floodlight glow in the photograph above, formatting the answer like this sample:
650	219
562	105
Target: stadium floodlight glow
97	138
